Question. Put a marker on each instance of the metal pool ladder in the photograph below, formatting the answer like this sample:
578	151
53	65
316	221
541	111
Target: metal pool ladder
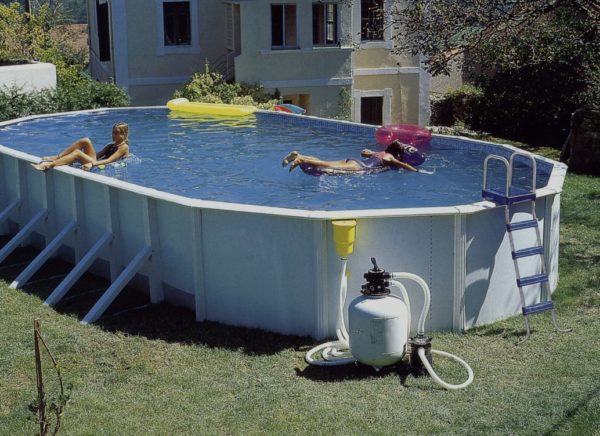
508	197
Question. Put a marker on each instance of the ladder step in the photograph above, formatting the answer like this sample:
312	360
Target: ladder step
527	252
539	307
515	195
521	225
530	280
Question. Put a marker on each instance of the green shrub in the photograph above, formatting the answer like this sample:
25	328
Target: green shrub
28	37
555	70
14	103
81	92
209	87
14	40
458	106
533	104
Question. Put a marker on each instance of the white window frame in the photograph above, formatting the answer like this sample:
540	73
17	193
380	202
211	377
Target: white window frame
193	47
337	23
387	29
386	93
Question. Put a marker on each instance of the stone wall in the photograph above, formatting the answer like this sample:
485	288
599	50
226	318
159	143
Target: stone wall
582	148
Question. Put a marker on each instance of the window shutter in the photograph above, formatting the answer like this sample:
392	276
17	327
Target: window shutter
230	33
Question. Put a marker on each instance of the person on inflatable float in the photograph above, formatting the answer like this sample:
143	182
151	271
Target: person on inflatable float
83	151
375	160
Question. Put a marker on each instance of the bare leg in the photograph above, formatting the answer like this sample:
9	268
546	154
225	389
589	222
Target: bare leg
83	144
74	156
296	159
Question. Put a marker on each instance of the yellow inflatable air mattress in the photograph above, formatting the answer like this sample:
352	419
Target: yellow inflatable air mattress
184	105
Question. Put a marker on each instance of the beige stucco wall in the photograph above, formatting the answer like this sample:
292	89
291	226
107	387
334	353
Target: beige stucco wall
152	95
318	71
324	100
138	57
151	72
143	21
405	94
324	64
382	58
441	84
379	70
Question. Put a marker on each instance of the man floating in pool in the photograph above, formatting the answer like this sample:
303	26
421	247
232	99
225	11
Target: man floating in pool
83	151
394	156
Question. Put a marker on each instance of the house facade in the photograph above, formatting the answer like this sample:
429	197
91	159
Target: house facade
325	56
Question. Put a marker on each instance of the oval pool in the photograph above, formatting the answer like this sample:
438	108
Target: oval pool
239	160
208	218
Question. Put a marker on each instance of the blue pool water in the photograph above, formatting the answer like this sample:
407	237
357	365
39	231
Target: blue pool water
239	160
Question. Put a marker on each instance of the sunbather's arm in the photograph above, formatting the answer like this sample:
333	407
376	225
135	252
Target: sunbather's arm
392	161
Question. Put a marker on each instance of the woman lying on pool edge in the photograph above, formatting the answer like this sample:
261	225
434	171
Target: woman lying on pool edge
83	151
375	160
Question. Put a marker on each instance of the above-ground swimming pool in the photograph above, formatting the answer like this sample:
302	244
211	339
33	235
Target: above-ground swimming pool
205	216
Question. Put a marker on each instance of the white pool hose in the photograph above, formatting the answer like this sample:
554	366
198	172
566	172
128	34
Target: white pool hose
426	294
404	298
338	352
421	331
335	353
428	367
340	328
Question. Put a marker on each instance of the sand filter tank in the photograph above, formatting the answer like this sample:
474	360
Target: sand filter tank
379	322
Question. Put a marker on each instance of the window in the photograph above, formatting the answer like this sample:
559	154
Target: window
325	23
176	16
283	26
371	110
103	31
371	20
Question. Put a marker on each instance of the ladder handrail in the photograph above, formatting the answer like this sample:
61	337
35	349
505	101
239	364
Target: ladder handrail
533	167
485	169
538	250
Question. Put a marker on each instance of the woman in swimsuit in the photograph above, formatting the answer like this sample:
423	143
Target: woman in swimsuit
82	151
375	161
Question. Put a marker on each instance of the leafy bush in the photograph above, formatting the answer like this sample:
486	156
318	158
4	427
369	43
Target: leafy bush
12	37
531	105
87	93
536	61
458	106
28	37
209	87
15	104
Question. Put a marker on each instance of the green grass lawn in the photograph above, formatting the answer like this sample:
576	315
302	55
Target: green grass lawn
156	371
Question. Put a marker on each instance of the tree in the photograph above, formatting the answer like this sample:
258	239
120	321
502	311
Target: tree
498	33
537	61
38	36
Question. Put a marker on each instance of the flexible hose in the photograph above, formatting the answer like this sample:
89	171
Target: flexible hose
428	367
421	331
406	301
335	353
426	294
342	332
338	352
327	353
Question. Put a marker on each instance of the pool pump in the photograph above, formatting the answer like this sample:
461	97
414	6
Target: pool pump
379	328
377	322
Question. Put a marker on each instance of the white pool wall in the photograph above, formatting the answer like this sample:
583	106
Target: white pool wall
276	268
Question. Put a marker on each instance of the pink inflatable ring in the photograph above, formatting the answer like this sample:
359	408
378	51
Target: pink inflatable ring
411	134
